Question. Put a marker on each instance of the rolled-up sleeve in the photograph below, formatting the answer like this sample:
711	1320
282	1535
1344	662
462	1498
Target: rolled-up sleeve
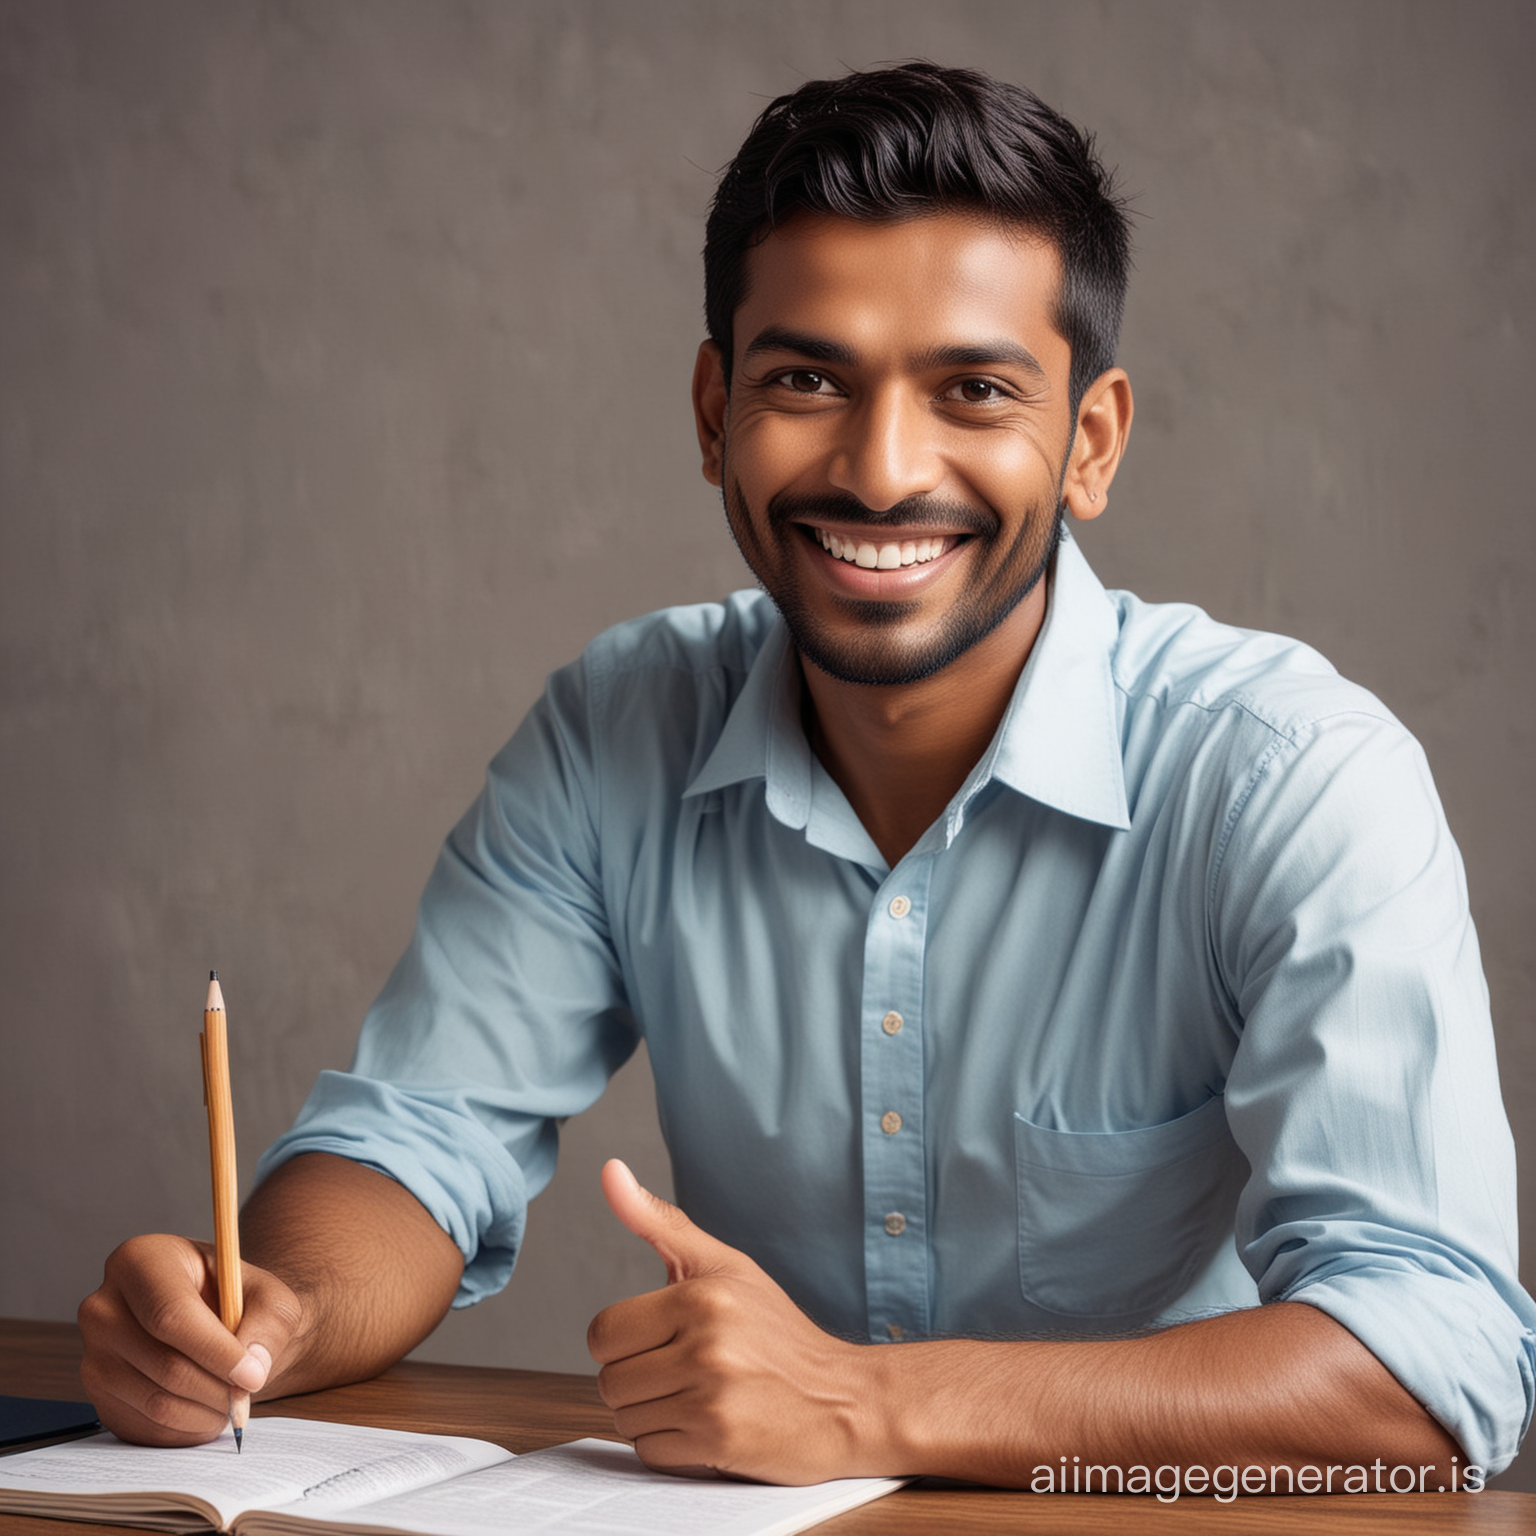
1364	1092
506	1014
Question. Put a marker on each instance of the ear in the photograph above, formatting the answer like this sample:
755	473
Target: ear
1103	427
711	402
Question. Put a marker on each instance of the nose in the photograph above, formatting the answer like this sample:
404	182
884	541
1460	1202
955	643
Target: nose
884	452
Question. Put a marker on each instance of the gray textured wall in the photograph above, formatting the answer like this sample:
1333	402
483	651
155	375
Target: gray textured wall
344	352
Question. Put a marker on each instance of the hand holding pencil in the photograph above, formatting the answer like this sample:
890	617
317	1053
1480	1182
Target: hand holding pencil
180	1333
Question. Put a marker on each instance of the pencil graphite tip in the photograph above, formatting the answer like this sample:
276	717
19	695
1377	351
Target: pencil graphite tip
213	975
239	1442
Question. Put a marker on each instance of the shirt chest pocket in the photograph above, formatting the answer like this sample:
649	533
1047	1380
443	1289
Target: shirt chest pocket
1117	1224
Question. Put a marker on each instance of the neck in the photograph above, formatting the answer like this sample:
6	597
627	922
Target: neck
900	753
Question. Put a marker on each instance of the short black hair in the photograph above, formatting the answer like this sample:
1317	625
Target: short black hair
918	139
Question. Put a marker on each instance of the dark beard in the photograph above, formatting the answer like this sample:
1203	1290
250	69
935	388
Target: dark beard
872	659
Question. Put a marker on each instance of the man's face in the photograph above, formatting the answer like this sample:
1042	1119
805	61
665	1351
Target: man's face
893	443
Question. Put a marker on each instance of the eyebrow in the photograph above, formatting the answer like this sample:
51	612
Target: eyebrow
778	338
981	355
819	349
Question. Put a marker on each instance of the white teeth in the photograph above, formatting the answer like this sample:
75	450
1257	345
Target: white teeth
880	557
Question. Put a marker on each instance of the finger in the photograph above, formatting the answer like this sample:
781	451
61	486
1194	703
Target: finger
636	1326
686	1250
271	1313
677	1452
122	1360
137	1409
143	1390
270	1324
644	1378
653	1416
163	1282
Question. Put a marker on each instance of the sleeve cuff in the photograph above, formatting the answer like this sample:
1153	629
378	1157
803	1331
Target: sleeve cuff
1460	1351
433	1146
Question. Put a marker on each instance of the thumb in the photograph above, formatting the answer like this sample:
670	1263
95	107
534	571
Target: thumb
688	1251
271	1318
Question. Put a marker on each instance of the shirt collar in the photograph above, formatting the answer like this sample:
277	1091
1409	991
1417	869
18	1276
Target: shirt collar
763	737
1059	742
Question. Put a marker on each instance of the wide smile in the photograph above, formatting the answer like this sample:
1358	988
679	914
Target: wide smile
880	564
891	555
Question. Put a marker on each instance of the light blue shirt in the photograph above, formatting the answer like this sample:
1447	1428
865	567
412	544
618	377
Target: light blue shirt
1177	1007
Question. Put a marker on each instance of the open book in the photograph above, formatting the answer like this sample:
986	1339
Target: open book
300	1477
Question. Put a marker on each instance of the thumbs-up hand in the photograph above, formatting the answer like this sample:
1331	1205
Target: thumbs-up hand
720	1373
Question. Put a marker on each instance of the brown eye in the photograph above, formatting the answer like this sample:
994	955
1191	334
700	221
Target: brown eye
804	381
978	391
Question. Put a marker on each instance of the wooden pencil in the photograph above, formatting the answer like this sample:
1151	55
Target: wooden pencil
226	1185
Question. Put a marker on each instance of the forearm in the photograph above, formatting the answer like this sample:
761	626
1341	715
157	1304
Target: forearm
374	1273
1271	1386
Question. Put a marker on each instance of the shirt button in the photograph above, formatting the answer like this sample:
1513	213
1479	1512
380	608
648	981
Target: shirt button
892	1023
899	906
895	1330
895	1224
890	1122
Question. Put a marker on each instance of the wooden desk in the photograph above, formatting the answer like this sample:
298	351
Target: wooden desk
523	1410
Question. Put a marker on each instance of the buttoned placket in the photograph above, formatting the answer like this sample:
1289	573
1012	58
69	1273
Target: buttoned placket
896	1233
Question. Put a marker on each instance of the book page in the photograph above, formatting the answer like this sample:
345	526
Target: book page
284	1460
587	1488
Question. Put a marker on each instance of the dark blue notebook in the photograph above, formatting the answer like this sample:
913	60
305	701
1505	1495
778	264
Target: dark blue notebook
27	1420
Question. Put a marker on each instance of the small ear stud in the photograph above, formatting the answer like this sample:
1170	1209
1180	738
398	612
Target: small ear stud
1093	495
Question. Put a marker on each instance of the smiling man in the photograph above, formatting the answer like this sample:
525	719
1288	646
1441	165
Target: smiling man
1066	1018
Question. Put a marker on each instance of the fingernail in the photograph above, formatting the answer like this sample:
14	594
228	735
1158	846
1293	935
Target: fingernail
251	1373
